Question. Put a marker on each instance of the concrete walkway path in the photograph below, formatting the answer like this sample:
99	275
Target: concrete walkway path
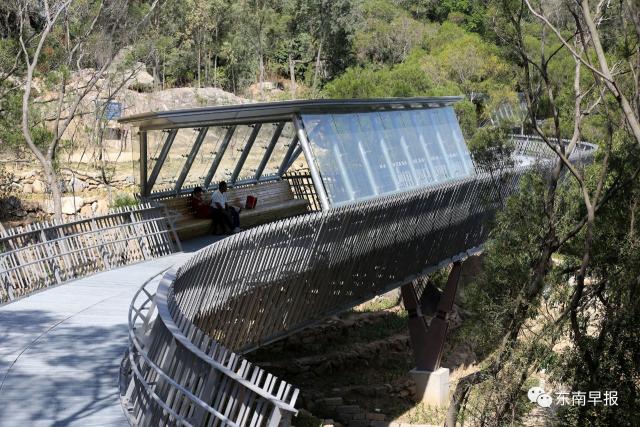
60	349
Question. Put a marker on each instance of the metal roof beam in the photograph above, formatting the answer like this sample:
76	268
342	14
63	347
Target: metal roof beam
292	146
192	155
218	157
293	158
270	148
274	111
245	152
161	159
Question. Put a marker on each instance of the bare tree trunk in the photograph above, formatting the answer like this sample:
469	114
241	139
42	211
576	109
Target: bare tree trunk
215	70
199	63
207	67
292	74
261	73
317	70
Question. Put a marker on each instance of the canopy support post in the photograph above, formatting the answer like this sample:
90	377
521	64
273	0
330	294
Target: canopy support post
144	191
315	174
218	158
245	152
161	159
192	156
267	154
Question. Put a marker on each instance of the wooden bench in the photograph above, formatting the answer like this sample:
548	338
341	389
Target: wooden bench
275	201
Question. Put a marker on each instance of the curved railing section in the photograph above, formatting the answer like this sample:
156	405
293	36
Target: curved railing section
270	281
175	379
40	255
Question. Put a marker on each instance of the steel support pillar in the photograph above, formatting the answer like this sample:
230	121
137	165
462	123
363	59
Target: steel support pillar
432	381
144	191
428	341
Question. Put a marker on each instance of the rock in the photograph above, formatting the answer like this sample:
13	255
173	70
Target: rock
94	206
27	188
86	210
130	180
71	204
102	207
38	186
30	206
331	401
76	185
47	206
373	416
89	200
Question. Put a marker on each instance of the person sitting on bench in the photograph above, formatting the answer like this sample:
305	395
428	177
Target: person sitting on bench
202	210
230	214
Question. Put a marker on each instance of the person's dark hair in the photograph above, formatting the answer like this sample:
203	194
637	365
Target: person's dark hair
222	184
196	190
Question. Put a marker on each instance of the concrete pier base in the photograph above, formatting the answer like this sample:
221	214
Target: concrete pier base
432	387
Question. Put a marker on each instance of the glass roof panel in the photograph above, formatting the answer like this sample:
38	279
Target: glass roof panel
176	157
280	150
204	158
368	154
232	154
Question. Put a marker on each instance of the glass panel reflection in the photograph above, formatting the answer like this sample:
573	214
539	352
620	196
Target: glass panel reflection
369	154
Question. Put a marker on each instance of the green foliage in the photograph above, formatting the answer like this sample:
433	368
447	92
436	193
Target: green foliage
124	200
510	252
491	148
387	34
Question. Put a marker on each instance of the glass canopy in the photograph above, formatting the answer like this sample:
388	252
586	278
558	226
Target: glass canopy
352	149
369	154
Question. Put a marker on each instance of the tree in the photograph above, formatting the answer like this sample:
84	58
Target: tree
566	211
52	39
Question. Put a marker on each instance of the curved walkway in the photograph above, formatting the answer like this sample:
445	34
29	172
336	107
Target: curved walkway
60	349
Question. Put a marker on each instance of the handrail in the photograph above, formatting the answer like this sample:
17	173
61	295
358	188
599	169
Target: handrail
163	311
137	351
55	225
35	259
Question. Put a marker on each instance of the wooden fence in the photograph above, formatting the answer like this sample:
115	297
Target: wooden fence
45	254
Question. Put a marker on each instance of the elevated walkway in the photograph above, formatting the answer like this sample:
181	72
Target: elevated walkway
61	349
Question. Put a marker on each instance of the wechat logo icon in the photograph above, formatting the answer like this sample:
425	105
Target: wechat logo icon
537	395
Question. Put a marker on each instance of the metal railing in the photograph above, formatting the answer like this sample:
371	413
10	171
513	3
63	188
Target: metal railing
302	187
177	379
270	281
534	146
41	255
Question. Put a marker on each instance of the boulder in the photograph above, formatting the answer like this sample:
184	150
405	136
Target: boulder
38	186
27	188
89	200
71	204
102	207
47	206
76	185
86	210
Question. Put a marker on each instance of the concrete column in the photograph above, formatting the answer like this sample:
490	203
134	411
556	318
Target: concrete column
432	387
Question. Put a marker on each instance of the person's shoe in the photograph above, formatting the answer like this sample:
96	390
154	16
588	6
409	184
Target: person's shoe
237	230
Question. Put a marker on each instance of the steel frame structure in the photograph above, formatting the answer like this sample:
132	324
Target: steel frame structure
256	116
261	285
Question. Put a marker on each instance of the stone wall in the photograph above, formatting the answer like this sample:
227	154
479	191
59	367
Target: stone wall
29	197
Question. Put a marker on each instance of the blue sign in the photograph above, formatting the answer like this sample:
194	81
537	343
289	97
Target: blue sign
112	111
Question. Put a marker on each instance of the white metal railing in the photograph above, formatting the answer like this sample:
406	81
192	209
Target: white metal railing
209	385
44	254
